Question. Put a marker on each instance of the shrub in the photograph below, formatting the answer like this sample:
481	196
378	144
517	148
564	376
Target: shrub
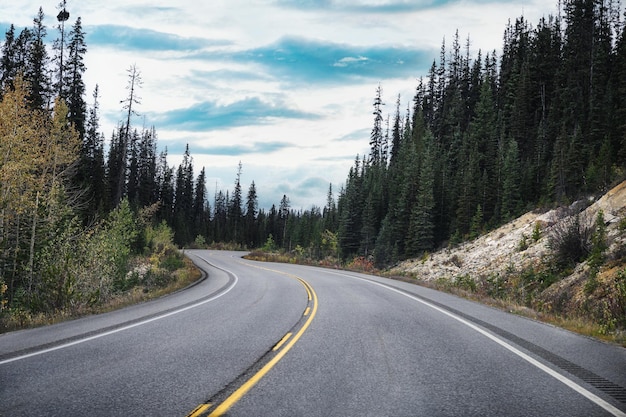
536	232
598	242
465	282
570	241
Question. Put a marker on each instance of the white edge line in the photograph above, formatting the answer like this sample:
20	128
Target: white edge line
573	385
130	326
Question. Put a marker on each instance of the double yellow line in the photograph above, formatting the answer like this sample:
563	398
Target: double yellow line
281	348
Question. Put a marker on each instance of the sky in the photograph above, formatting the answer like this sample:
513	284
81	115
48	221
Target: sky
285	87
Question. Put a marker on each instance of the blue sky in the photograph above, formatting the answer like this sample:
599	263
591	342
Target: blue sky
284	86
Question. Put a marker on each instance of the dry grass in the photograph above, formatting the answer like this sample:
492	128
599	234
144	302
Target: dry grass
578	325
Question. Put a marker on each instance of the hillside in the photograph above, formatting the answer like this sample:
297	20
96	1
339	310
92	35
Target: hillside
514	263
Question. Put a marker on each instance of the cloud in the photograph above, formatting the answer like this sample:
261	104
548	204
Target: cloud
356	135
363	6
307	188
290	60
305	60
237	150
209	115
129	38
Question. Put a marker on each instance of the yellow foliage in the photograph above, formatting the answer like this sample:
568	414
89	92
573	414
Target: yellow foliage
35	151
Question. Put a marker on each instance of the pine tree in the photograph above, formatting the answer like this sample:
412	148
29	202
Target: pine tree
330	211
59	47
73	87
220	218
183	200
235	210
420	235
511	196
251	226
201	211
124	139
350	213
36	73
90	174
165	185
376	137
8	63
283	219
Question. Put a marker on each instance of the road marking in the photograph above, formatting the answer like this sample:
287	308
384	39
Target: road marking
282	341
282	347
200	409
307	311
562	378
130	326
247	386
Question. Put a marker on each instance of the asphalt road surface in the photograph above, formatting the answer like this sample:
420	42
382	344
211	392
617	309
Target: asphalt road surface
265	339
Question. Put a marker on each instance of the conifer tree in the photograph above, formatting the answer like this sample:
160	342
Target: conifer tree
283	219
183	199
73	86
8	63
420	235
165	186
90	174
330	211
235	209
376	137
252	208
220	217
36	72
201	211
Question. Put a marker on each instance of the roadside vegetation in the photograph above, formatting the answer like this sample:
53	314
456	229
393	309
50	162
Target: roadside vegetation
123	260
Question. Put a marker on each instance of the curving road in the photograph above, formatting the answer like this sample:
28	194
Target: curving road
263	339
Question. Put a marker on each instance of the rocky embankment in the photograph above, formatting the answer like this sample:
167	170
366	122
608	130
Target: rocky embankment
522	245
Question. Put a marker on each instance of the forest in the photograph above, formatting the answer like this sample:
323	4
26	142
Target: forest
486	138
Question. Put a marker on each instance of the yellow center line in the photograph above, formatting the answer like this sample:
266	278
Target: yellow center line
199	410
283	340
247	386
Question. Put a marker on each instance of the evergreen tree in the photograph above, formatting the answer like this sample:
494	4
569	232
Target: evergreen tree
201	211
73	87
376	137
124	136
283	219
251	226
183	200
235	209
220	218
36	72
420	235
9	66
350	213
511	197
330	211
165	186
90	174
59	47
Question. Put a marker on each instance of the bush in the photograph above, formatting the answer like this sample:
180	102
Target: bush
571	241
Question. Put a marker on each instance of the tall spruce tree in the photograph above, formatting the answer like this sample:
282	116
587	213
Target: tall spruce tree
73	86
252	210
183	200
37	72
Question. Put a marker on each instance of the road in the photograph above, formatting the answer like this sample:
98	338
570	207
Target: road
266	339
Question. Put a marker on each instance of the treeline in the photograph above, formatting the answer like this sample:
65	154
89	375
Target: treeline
487	139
